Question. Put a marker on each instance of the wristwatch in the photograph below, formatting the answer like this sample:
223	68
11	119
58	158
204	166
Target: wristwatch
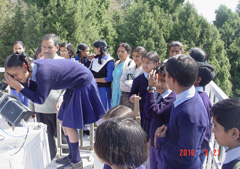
151	88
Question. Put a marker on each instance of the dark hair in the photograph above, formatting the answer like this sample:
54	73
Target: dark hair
17	60
126	46
227	113
206	72
160	68
81	47
141	50
69	48
39	50
53	37
153	56
120	111
103	48
183	68
198	54
20	42
176	43
121	142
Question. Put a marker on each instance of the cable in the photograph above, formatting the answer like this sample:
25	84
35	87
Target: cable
2	137
22	143
10	134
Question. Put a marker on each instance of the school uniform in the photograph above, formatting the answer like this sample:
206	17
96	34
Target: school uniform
47	114
157	109
185	132
207	105
108	167
20	97
139	87
104	70
81	102
232	158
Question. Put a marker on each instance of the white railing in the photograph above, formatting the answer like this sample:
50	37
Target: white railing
213	160
216	154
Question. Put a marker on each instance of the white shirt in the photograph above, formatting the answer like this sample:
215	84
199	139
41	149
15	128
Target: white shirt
231	155
186	95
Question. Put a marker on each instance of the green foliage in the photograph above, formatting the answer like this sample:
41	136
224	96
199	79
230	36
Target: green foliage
12	30
238	8
149	23
169	6
234	53
194	31
228	24
139	28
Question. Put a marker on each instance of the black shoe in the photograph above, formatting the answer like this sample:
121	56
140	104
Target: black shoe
86	132
78	165
63	160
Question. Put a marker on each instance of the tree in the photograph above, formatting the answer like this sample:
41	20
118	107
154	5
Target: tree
169	6
228	24
139	28
234	53
12	29
238	8
194	31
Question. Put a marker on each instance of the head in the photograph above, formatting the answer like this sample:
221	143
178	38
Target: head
226	119
175	48
100	47
18	66
182	69
206	74
137	54
38	54
198	54
161	85
120	111
50	46
82	50
18	47
123	51
66	50
149	61
121	143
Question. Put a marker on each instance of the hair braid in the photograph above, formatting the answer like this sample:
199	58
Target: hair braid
26	60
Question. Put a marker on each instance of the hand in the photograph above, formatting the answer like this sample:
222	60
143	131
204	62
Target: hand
132	98
160	132
13	82
90	57
58	106
152	78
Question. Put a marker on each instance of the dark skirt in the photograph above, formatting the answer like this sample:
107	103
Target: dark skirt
81	106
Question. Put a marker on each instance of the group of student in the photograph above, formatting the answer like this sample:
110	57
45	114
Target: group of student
175	111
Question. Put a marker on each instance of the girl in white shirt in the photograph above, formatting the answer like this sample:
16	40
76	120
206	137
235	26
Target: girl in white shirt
130	73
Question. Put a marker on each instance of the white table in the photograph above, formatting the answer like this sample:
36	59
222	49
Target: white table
33	155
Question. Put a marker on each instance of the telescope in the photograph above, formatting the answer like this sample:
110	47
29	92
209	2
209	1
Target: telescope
11	109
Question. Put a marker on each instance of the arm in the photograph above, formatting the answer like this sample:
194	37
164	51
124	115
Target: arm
160	109
190	135
125	83
134	90
109	78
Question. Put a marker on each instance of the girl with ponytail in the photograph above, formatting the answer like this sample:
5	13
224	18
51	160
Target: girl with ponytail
102	67
47	75
18	48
